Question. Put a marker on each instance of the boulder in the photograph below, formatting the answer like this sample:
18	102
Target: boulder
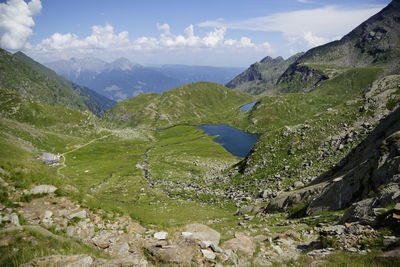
42	189
103	239
242	244
180	254
202	232
61	260
249	209
390	256
135	227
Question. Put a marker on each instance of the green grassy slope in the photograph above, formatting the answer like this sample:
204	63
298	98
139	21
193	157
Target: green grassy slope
95	102
197	103
298	129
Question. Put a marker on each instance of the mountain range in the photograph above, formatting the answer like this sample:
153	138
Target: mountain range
122	79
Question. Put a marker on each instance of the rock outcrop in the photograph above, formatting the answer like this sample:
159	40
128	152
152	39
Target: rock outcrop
261	76
368	178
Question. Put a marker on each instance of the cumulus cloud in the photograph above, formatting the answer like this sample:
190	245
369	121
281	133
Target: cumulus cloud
16	22
105	38
212	47
102	37
312	26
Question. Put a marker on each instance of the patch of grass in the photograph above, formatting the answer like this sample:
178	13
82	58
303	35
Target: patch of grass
298	210
27	245
195	103
392	104
30	197
329	242
74	221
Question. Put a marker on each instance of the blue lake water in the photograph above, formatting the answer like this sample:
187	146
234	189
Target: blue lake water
237	142
248	106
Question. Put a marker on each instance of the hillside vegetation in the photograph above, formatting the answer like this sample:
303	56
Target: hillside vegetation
196	103
34	81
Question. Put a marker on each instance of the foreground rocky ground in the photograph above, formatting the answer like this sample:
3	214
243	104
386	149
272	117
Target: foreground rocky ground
121	241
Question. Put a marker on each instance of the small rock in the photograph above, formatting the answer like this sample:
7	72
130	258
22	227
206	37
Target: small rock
47	214
203	232
161	235
209	255
298	184
277	249
205	244
80	214
351	249
43	189
71	188
14	219
397	207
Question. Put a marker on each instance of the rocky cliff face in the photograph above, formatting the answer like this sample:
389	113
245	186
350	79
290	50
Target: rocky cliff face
261	76
366	179
371	171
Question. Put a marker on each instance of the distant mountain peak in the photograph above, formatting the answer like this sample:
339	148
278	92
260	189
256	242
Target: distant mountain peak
269	59
121	63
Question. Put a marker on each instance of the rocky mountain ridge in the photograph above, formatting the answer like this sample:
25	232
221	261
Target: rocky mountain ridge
262	76
374	42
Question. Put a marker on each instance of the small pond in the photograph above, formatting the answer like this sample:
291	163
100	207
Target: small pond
237	142
248	106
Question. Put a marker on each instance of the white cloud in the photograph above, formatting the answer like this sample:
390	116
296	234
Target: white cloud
102	37
313	40
106	39
164	28
313	26
16	22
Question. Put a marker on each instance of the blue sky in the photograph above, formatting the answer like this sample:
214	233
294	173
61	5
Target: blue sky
206	32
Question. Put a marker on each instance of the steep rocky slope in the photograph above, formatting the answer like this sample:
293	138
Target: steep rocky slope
375	42
57	86
261	76
365	180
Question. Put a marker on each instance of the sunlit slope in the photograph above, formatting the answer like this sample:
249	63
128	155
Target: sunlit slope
196	103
